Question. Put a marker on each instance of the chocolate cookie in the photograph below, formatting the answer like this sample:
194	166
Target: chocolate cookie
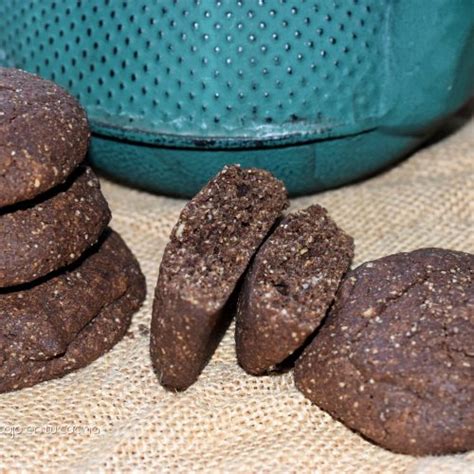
289	288
43	135
41	236
395	359
69	319
211	245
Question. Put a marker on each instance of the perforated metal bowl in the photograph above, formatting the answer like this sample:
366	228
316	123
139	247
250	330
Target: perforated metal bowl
176	88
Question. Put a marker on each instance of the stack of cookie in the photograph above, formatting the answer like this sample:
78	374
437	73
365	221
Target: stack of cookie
68	283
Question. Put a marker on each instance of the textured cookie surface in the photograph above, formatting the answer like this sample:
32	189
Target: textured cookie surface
44	135
68	320
211	245
395	359
289	287
41	236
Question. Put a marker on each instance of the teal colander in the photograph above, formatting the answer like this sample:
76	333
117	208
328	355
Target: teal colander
319	92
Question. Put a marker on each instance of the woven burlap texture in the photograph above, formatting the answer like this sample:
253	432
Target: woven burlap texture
113	415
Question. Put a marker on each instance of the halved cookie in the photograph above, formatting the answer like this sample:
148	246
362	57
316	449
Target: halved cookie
395	358
211	246
69	319
44	135
41	236
289	288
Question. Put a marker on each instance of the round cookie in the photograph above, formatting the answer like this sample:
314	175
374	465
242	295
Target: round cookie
44	135
68	320
44	235
395	359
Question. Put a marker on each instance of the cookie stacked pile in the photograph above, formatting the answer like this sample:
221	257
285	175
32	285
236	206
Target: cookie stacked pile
68	283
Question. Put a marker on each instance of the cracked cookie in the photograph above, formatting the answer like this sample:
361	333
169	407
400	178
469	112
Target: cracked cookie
395	359
210	248
40	236
289	288
67	320
44	135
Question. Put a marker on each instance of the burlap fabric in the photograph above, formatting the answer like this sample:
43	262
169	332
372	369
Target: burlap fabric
114	416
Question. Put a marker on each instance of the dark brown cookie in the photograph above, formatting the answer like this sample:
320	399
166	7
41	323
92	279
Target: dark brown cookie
395	359
44	135
41	236
211	245
67	320
289	288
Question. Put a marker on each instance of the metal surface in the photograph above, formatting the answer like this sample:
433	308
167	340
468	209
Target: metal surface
186	85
